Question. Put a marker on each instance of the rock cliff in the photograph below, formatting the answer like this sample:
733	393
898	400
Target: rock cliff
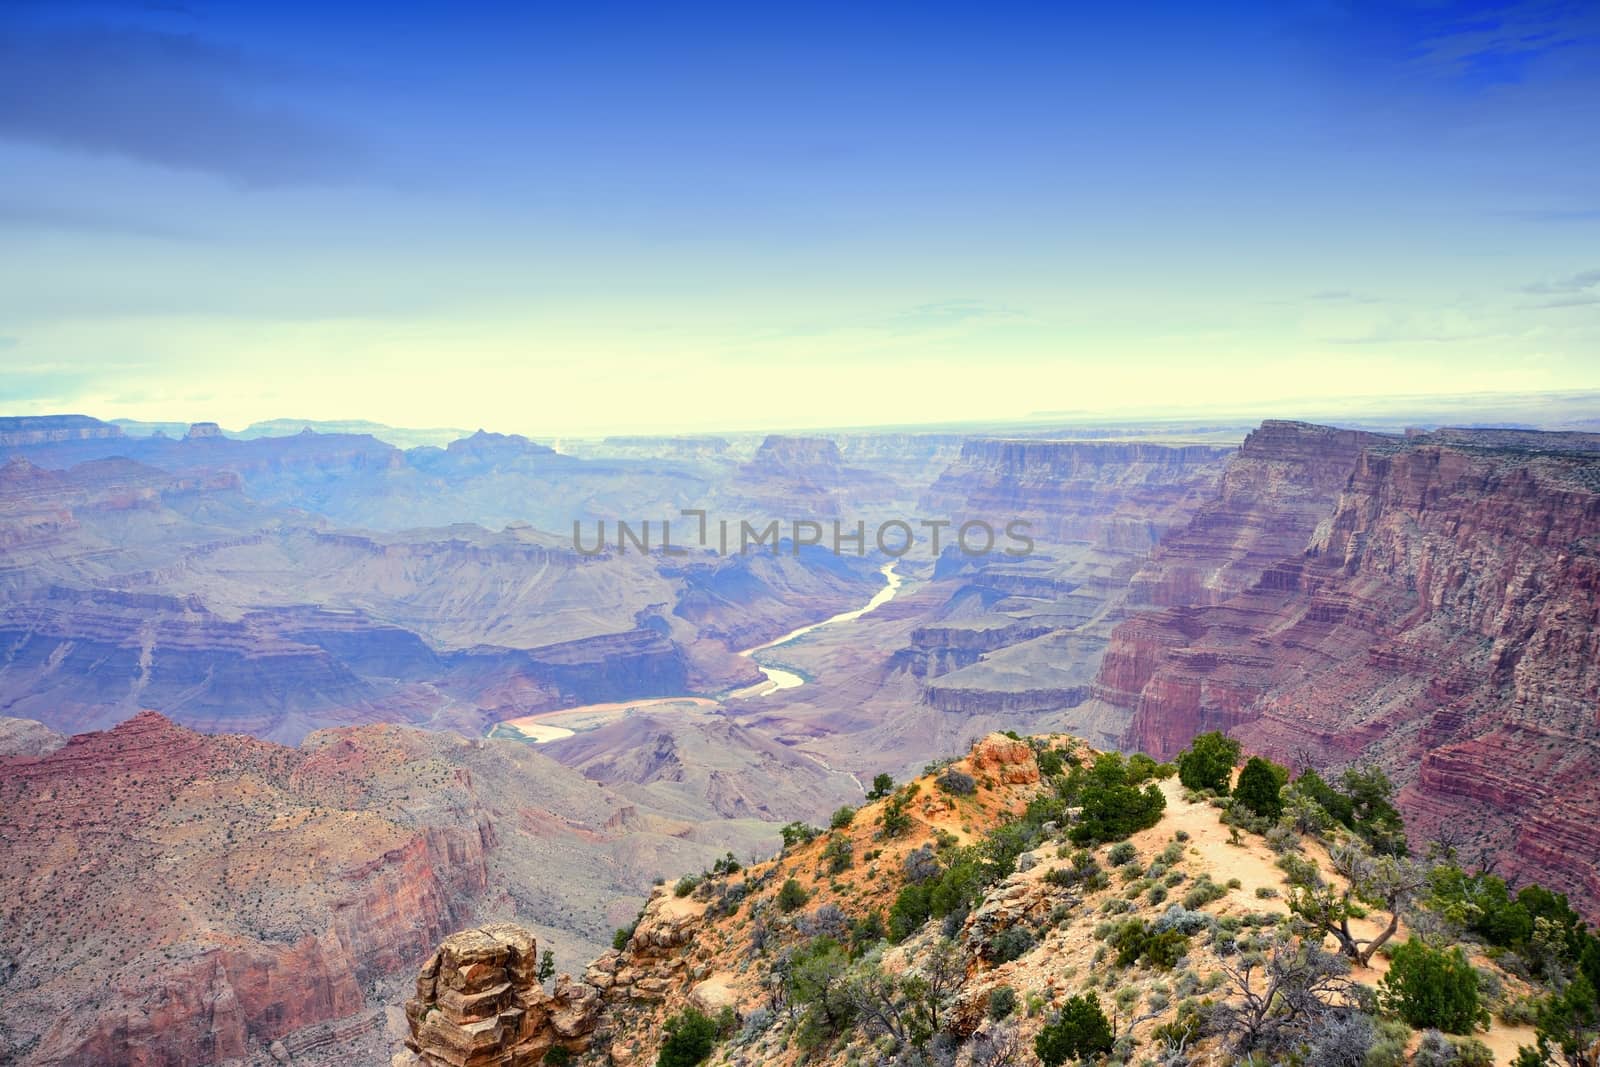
196	897
1441	619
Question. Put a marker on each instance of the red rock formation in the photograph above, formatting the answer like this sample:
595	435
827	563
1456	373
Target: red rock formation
195	896
479	1003
1443	620
1005	759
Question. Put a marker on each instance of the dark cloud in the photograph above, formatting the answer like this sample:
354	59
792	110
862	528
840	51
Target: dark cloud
169	99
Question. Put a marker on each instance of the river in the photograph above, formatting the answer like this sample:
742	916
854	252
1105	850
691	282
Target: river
539	728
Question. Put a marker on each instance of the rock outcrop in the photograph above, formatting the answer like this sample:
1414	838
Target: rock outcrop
479	1003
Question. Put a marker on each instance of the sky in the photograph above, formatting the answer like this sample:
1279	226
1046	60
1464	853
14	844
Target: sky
560	219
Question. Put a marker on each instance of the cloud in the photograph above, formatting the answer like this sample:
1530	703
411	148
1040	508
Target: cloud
1495	43
20	214
169	99
1573	283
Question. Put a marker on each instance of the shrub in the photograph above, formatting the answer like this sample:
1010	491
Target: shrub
1081	1030
1432	988
1002	1002
882	786
842	818
1260	787
1122	853
839	854
797	833
621	935
1182	920
957	783
896	820
1208	762
1011	943
1437	1050
793	895
685	886
1141	768
1340	1040
1389	1044
1112	807
1204	892
866	932
691	1036
828	921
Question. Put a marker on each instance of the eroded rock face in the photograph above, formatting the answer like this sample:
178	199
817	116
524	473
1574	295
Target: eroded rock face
1004	759
1441	620
479	1003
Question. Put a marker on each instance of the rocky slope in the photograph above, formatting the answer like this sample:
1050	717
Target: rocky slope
196	898
738	946
1440	618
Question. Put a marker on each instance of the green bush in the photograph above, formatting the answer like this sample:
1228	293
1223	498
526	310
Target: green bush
1431	988
896	820
1112	807
839	854
691	1035
1260	787
1208	762
842	818
1080	1031
685	886
1122	853
1009	944
793	895
1002	1002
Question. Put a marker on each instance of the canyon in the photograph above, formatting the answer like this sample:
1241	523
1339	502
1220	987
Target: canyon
333	628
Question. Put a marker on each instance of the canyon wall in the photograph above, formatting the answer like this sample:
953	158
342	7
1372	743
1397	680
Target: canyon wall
1020	636
195	898
1440	619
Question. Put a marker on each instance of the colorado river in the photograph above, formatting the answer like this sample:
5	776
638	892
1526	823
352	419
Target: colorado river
777	677
544	726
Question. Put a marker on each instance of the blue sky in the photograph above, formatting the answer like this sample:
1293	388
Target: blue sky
559	219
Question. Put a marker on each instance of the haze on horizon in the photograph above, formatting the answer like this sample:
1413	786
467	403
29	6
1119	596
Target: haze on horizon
623	219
